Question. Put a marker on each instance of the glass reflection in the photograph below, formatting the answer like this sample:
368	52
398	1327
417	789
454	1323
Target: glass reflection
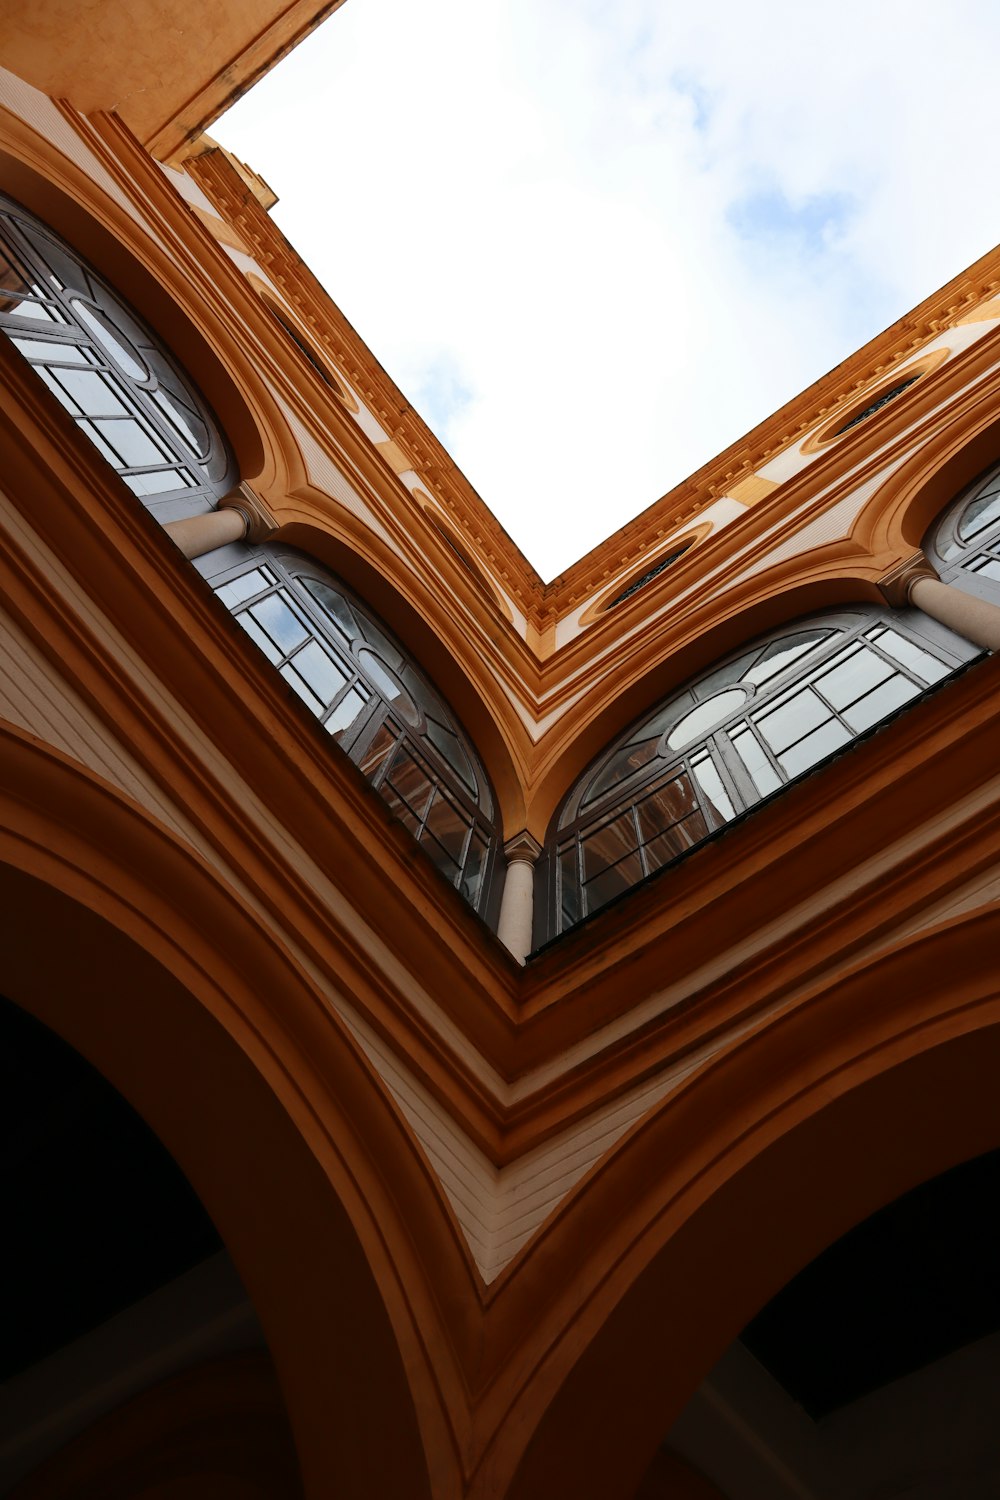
772	714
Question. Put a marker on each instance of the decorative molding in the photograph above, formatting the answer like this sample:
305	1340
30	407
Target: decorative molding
522	849
895	585
260	522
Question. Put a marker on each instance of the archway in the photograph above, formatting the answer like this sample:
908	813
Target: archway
290	1235
741	1178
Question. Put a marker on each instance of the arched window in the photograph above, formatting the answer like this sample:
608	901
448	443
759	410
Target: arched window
965	543
109	371
365	690
738	734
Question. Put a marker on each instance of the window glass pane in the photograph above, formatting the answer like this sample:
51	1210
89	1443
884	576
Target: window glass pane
259	638
632	758
282	623
666	805
371	761
161	482
983	511
321	672
854	673
705	718
607	844
346	711
106	363
914	657
103	447
612	880
111	339
475	862
440	857
712	789
336	607
676	840
883	701
387	650
986	565
188	426
447	825
796	717
408	789
244	587
390	687
763	775
780	654
296	683
132	442
51	354
52	256
90	392
815	747
451	748
38	312
15	280
570	895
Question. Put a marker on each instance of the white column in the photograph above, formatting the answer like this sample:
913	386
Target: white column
915	582
517	907
200	534
976	619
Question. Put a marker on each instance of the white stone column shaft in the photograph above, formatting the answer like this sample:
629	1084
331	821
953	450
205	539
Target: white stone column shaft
976	619
517	907
200	534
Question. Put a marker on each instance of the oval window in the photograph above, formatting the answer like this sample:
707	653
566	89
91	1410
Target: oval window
705	717
111	339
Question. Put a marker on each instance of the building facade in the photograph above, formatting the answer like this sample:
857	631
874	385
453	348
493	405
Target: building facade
494	993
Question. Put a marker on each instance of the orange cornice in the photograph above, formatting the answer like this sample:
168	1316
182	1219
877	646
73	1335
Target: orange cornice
492	638
713	480
513	1021
627	547
476	523
583	662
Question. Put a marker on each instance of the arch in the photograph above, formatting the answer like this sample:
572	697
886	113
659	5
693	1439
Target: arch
490	724
729	739
590	728
136	267
964	544
365	687
896	519
216	1431
108	370
785	1149
167	989
306	344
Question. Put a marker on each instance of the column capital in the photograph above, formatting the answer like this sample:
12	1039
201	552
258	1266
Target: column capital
260	522
895	585
522	848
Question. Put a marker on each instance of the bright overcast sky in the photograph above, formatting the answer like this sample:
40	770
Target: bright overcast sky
596	241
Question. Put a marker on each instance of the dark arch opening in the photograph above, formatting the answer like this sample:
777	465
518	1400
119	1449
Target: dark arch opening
113	1280
98	1213
867	1370
290	1234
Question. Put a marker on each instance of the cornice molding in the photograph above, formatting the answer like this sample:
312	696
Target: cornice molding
477	525
876	359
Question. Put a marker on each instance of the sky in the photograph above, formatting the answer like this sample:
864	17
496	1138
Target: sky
594	242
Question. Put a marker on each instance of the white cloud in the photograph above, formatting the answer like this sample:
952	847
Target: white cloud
604	239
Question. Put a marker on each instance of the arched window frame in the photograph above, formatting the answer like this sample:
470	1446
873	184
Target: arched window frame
650	802
109	371
376	704
964	544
